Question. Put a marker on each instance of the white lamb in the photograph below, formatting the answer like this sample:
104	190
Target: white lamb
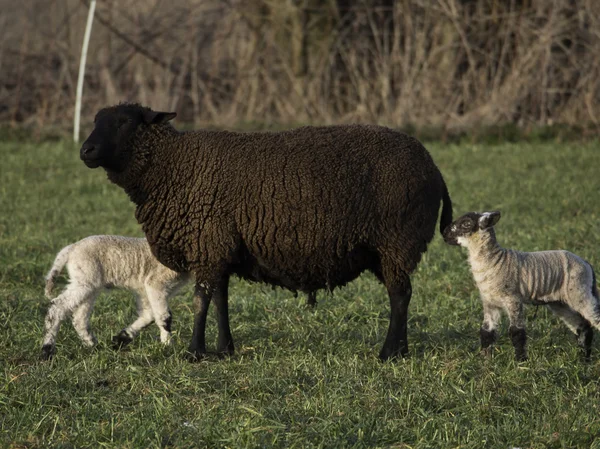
507	278
105	261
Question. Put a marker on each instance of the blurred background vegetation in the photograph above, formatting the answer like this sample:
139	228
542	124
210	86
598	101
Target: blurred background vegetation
449	65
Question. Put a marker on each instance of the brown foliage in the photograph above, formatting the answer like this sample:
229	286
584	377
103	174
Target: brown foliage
449	63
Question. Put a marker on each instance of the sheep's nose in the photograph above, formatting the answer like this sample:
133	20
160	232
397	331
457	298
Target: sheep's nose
87	147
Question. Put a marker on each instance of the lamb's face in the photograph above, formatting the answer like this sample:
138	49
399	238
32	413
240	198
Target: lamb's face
464	228
107	145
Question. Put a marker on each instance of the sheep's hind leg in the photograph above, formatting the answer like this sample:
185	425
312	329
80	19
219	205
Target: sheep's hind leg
396	342
576	324
488	333
145	317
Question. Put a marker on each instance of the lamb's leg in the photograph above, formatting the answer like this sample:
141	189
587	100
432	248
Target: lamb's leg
488	333
221	298
197	348
81	320
158	299
577	324
396	342
588	306
518	335
584	302
145	317
64	304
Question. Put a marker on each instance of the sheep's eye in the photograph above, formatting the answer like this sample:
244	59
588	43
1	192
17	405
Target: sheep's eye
466	225
122	122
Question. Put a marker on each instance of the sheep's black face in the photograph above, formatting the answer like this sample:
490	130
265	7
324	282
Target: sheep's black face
469	224
107	145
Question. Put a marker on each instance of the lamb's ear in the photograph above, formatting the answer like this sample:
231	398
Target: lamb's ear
489	219
156	118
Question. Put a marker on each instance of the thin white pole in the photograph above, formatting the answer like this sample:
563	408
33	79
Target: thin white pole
84	49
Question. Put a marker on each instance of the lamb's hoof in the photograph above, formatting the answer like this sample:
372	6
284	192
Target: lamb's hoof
586	355
487	352
585	337
194	356
48	352
121	340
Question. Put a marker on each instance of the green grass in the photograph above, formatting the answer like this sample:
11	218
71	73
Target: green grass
300	378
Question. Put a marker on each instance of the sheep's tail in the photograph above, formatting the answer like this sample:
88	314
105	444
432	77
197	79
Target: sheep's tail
446	217
59	262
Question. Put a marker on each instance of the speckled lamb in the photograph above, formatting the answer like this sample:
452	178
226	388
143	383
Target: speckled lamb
106	261
506	279
305	209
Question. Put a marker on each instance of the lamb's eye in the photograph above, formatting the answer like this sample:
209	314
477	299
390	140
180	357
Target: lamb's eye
466	225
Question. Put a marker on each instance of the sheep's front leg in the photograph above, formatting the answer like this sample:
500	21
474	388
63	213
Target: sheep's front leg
221	298
488	333
197	348
202	298
518	335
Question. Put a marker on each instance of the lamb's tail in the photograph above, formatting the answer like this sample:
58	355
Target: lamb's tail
59	262
594	286
446	217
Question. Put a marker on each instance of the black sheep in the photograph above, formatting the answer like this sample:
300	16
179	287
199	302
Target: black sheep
305	209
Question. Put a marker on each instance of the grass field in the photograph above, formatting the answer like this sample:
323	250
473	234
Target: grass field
300	378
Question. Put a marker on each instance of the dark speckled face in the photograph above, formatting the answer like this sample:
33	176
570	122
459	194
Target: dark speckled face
469	224
113	128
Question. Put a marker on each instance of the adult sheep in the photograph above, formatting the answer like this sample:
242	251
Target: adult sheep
304	209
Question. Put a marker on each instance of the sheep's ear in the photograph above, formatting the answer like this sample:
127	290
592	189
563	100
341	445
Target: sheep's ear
156	118
489	219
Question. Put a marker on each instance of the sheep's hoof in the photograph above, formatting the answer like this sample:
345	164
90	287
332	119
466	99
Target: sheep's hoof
521	357
194	356
121	340
387	354
311	300
225	348
48	352
225	353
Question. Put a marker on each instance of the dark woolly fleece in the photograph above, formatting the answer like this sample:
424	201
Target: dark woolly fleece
304	209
